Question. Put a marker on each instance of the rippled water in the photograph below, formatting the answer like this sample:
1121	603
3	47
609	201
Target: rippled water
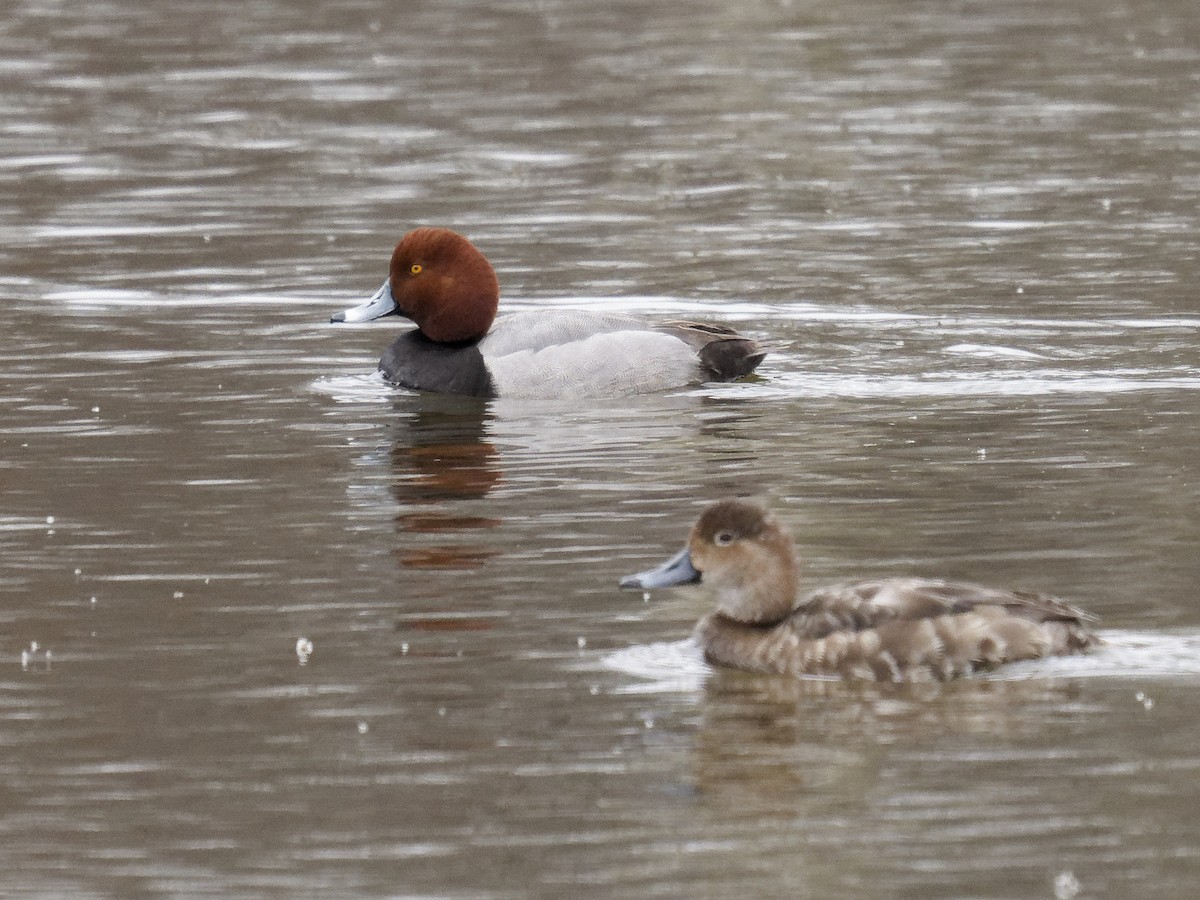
273	628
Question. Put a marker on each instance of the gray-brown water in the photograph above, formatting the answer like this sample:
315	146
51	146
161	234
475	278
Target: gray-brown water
969	229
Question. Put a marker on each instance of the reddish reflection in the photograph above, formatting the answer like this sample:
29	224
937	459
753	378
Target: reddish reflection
449	556
447	470
442	461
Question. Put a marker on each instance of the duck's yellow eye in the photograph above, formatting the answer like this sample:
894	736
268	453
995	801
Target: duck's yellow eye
415	269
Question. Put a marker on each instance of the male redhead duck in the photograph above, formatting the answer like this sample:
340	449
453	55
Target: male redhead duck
439	280
898	629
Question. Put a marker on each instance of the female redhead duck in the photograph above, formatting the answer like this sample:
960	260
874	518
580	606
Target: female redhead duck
440	281
899	629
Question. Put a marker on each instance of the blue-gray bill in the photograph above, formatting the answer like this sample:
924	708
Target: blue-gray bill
381	304
676	570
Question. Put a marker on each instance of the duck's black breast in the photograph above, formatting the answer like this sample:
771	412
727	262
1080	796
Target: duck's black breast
414	361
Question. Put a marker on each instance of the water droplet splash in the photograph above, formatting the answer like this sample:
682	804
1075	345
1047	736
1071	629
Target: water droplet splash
304	649
1066	886
34	657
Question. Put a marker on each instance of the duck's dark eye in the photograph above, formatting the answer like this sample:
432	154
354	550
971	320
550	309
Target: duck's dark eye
723	538
415	269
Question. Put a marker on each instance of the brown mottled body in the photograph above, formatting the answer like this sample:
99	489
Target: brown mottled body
897	630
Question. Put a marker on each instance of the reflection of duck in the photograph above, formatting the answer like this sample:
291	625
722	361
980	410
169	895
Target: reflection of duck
903	629
443	459
444	284
806	746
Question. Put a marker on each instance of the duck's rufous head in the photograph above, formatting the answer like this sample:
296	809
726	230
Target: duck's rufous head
440	281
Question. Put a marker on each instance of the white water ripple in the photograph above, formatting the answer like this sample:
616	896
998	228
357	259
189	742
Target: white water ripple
679	666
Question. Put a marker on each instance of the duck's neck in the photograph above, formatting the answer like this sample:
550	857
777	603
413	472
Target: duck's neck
415	361
763	599
765	648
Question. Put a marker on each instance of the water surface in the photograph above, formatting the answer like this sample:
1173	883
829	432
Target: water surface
967	229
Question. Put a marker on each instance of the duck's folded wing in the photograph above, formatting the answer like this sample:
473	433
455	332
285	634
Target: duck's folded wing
613	364
1033	607
870	604
544	329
